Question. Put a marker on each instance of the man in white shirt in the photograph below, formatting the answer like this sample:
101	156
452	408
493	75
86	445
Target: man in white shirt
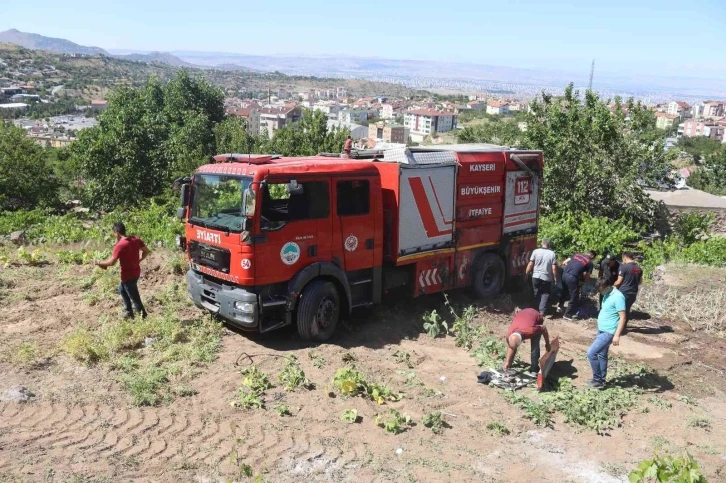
543	267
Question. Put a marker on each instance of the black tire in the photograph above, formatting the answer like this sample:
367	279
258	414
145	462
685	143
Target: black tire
318	311
489	276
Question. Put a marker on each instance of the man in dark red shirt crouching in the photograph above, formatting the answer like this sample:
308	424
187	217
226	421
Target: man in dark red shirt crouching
129	251
526	325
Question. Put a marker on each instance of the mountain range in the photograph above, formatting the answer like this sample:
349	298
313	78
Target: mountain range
418	74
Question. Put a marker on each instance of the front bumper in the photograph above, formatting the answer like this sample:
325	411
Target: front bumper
233	304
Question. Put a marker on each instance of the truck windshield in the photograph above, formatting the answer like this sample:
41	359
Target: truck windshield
217	201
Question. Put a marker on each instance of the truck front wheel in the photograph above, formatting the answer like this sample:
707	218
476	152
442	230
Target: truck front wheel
318	311
488	277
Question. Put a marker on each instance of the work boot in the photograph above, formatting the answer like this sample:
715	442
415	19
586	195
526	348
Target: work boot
595	384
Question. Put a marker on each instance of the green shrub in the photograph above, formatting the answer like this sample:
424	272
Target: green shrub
668	469
353	383
691	227
571	234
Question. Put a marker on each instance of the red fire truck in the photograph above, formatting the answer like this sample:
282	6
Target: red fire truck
273	241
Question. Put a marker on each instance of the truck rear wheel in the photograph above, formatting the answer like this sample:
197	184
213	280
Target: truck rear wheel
318	311
488	277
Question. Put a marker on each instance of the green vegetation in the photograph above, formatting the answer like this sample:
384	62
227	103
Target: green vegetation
572	234
350	416
464	331
668	469
498	428
597	163
282	410
25	354
403	357
353	383
393	421
434	325
490	353
254	385
27	180
502	132
700	148
711	175
703	423
154	358
434	422
292	376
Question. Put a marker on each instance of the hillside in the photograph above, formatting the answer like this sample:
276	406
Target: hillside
40	42
90	76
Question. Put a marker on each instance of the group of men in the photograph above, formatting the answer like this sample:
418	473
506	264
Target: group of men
617	286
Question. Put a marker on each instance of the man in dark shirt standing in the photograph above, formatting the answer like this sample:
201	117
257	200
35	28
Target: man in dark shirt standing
609	268
577	271
126	251
630	276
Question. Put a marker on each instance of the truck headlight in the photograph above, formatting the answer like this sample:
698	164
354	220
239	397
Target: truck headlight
245	307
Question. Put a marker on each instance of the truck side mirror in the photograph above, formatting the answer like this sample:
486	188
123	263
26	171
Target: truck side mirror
247	224
183	201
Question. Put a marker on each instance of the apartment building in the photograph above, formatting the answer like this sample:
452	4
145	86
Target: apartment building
709	129
352	116
429	121
251	114
475	105
274	118
498	107
713	110
389	133
679	108
665	121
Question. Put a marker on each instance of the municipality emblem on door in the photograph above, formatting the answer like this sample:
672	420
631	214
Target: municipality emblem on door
290	253
351	243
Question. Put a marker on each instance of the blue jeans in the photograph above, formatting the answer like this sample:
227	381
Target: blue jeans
598	355
129	292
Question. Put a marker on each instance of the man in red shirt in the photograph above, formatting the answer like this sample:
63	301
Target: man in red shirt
348	147
126	251
526	325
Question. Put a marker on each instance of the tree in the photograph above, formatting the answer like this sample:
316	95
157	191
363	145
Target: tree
494	132
597	162
232	137
711	176
146	137
307	137
26	180
699	147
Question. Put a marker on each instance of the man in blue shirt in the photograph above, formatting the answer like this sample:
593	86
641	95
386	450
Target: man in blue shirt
610	323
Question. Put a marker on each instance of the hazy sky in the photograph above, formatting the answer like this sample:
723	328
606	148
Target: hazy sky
661	37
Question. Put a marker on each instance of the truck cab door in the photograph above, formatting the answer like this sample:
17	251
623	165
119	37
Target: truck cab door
294	229
355	215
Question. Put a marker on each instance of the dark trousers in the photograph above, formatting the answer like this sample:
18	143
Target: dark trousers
571	292
129	292
629	301
534	364
542	290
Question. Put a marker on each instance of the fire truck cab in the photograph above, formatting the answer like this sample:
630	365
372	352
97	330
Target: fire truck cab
273	241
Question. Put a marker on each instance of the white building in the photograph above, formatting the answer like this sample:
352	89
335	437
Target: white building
328	108
351	116
679	108
357	131
387	111
20	106
424	122
498	107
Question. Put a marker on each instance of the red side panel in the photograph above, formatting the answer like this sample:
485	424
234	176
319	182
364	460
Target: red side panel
479	199
462	267
434	274
520	251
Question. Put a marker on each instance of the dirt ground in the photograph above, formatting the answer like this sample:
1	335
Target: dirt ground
82	427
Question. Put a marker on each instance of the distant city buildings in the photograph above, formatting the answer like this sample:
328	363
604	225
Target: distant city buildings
425	122
274	118
710	129
679	108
